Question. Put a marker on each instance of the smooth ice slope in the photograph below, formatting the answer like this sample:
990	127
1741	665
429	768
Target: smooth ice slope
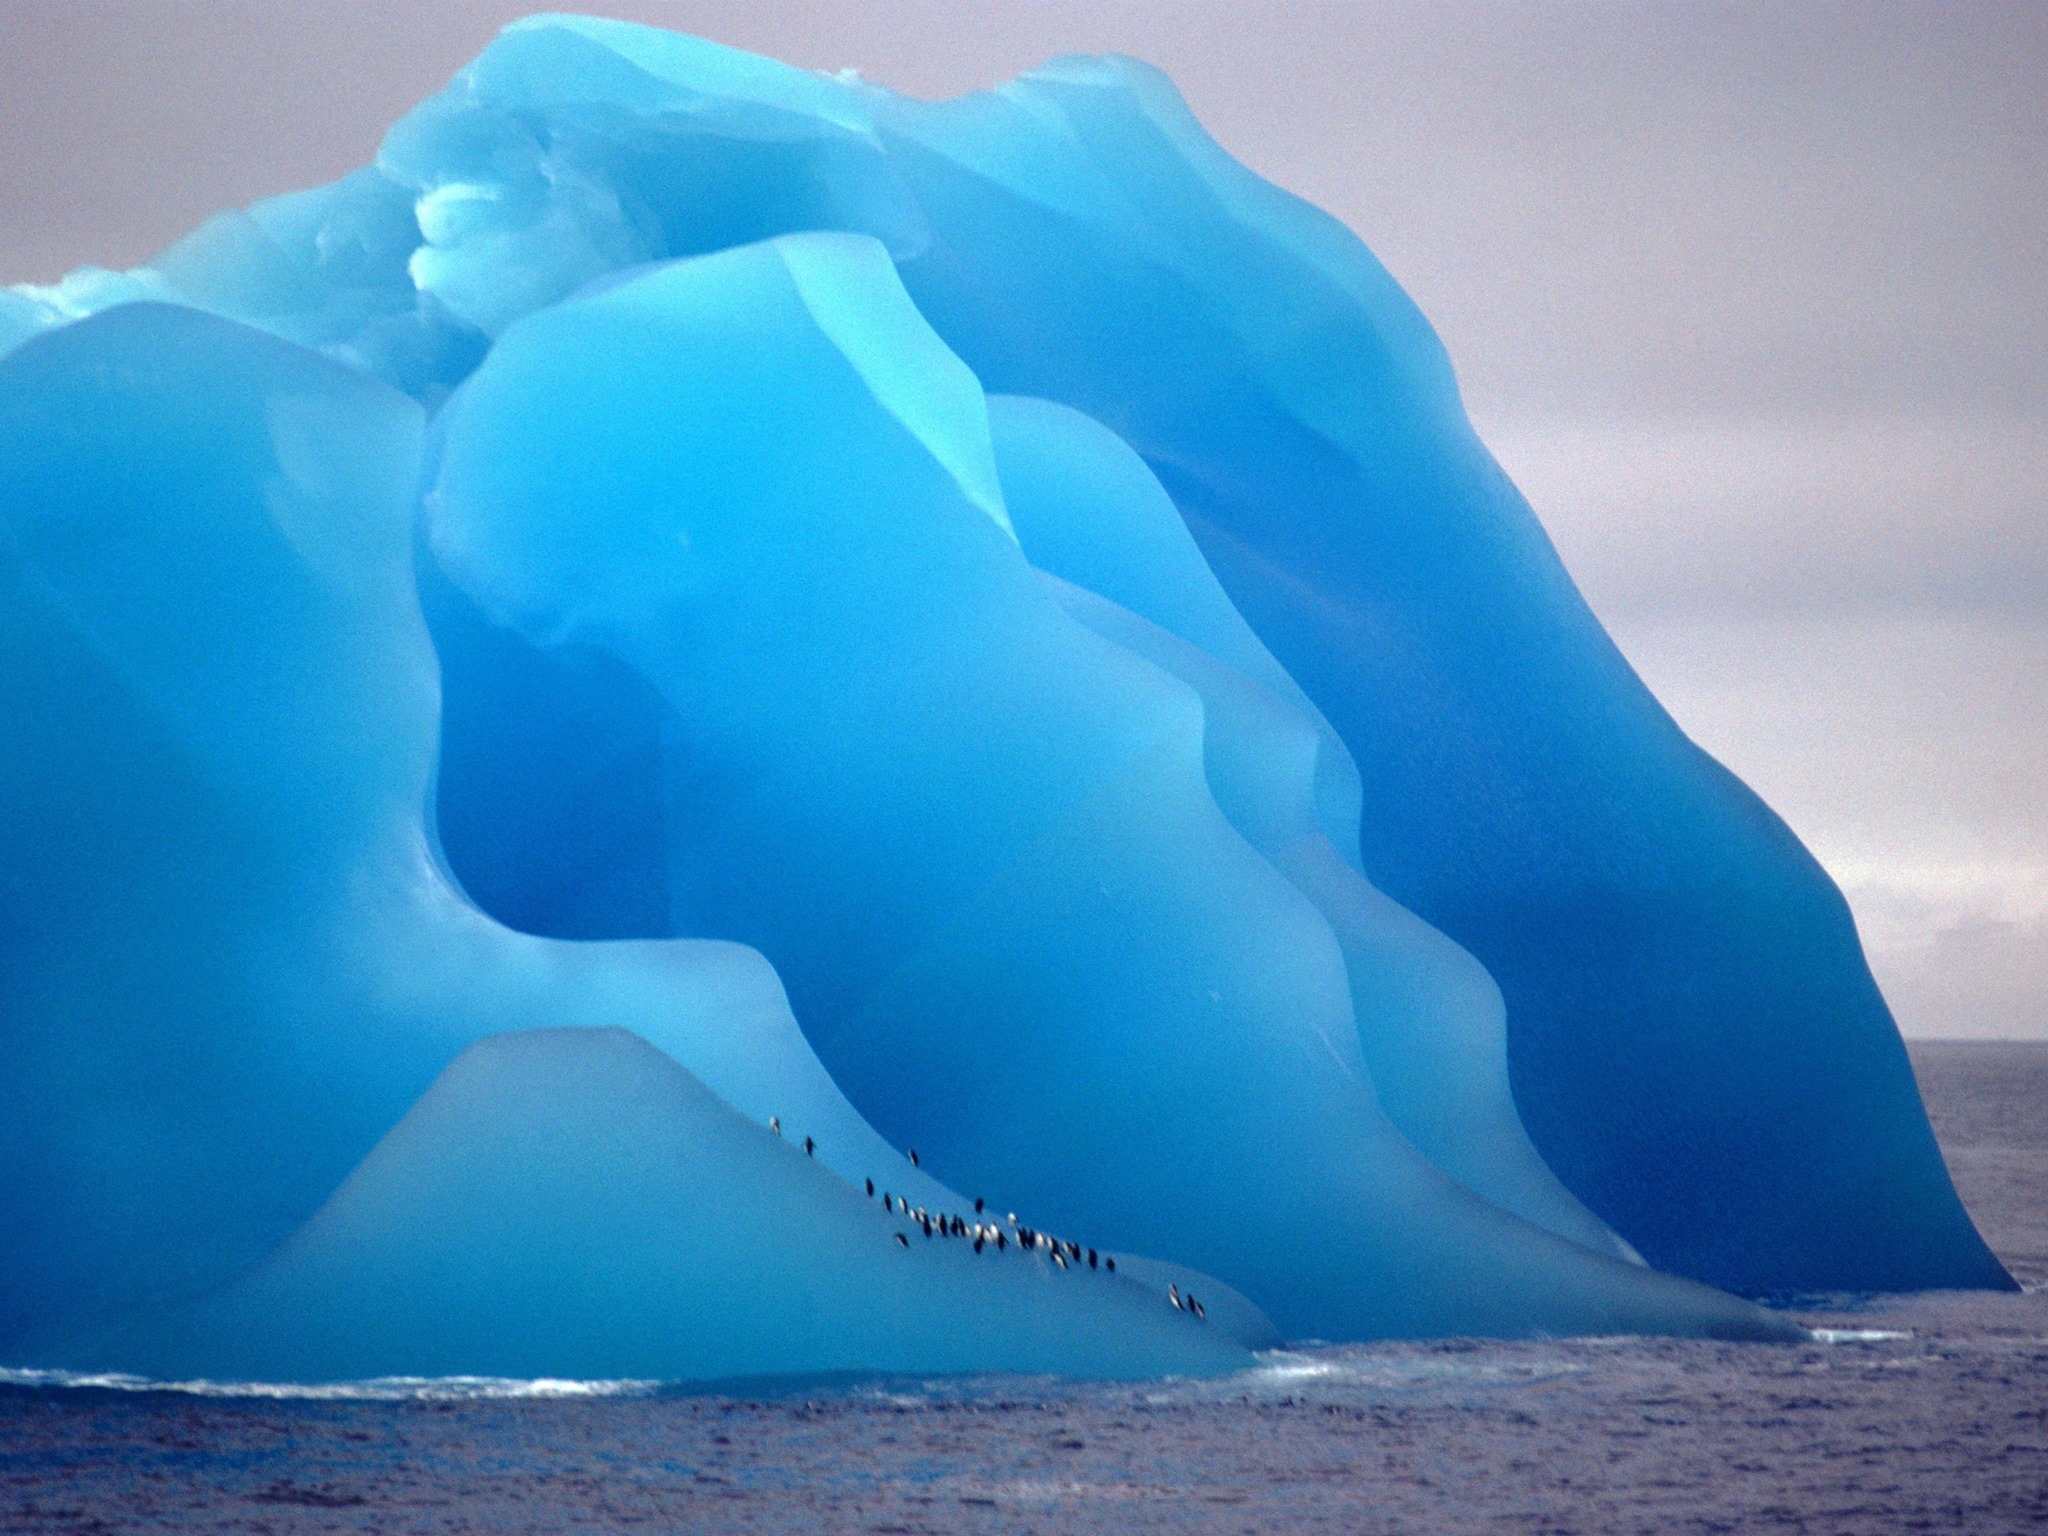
571	1203
974	837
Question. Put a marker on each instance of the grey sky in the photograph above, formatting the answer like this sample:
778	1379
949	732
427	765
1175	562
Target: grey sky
1751	299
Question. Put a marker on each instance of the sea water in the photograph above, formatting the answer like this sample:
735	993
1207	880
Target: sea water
1906	1412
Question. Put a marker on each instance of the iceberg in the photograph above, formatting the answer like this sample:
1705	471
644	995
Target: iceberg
698	624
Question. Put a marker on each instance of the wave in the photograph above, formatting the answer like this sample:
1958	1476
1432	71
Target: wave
377	1389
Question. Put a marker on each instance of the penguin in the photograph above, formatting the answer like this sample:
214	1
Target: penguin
1073	1249
1002	1242
913	1158
1173	1295
871	1188
1110	1265
902	1239
1200	1310
1091	1258
810	1147
775	1124
977	1205
977	1244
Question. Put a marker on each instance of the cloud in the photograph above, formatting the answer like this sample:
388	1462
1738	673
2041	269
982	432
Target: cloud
1907	750
1983	980
1960	948
1708	518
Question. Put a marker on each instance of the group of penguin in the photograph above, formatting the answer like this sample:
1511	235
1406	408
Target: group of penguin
1063	1251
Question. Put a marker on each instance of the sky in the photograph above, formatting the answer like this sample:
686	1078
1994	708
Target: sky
1750	299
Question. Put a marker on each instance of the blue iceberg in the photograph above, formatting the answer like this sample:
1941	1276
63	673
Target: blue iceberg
699	624
279	1101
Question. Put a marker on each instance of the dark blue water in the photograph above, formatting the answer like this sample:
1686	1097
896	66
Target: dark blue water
1921	1413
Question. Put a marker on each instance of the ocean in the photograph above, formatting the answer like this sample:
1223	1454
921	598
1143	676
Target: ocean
1908	1413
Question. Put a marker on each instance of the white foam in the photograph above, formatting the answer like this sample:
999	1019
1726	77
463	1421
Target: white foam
1856	1335
378	1389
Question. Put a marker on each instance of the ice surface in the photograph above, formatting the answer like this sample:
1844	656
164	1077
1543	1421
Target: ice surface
233	959
975	838
1027	578
1430	1026
464	1244
1694	1039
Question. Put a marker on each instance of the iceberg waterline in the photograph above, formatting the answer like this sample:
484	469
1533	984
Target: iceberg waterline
694	593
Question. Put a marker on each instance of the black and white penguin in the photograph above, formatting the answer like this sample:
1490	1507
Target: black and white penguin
902	1239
